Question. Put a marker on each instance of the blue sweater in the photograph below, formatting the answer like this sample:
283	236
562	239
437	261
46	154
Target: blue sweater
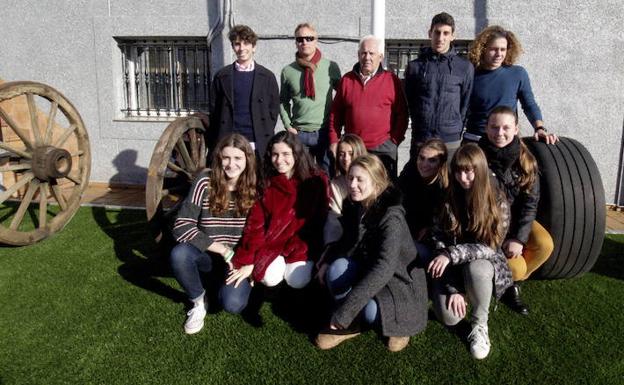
503	86
243	84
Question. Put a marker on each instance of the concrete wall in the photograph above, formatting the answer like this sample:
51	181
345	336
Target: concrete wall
573	53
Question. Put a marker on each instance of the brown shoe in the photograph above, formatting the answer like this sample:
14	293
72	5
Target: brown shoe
396	344
327	341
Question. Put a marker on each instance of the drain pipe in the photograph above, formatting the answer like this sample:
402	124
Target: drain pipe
378	21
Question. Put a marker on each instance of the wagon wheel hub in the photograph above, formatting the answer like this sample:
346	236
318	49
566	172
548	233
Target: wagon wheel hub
49	162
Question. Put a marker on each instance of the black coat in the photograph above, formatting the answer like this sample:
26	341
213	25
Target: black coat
264	106
380	241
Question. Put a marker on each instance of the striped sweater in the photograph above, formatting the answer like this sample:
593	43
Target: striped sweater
196	225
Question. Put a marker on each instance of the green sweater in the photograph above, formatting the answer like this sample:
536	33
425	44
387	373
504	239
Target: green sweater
302	112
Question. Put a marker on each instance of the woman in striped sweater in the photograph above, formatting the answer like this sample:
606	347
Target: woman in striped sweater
211	220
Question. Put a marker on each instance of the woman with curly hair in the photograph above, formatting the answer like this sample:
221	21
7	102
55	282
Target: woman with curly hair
211	220
498	82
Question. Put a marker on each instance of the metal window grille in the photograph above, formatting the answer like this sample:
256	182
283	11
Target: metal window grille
165	77
400	52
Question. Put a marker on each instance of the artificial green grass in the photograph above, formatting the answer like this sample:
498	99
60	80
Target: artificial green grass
95	304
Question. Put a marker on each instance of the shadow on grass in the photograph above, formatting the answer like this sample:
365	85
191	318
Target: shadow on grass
306	310
143	260
609	262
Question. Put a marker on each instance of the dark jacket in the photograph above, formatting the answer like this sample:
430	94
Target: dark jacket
381	243
523	203
264	106
438	91
421	201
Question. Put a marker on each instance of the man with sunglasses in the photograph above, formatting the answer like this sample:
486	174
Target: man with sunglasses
244	97
306	94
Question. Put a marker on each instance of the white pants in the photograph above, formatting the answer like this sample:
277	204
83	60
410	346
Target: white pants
297	274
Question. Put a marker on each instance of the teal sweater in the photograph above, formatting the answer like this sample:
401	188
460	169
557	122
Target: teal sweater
297	110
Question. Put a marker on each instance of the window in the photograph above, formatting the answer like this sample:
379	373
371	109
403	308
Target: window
165	77
401	52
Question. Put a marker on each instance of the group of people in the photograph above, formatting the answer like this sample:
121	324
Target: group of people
323	198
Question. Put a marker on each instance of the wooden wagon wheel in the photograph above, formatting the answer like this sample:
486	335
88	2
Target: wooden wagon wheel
45	161
178	157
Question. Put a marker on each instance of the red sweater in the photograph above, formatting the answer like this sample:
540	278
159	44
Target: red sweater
376	111
288	221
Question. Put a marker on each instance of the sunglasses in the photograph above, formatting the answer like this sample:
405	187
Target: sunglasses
300	39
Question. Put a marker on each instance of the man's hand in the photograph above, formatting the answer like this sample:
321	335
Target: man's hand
293	130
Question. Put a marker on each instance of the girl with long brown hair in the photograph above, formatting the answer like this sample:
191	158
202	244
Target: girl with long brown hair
469	235
210	221
283	235
527	245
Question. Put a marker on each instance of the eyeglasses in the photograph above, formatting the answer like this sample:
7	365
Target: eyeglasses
300	39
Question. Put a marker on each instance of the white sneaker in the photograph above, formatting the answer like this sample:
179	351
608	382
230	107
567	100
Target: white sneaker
195	320
479	341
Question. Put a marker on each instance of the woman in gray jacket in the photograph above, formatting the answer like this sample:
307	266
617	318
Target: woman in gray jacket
372	271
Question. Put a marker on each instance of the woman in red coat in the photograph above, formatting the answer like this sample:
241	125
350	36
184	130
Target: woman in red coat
283	234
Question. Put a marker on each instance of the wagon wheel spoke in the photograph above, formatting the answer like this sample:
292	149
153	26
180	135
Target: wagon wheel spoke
19	215
20	133
192	135
48	133
32	111
58	195
174	167
188	162
73	179
15	151
15	167
16	186
202	152
43	204
65	135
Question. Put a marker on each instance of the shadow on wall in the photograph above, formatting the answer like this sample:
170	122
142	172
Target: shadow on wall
619	194
609	262
480	15
127	170
143	260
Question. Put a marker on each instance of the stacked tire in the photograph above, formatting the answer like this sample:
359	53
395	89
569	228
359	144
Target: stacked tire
572	206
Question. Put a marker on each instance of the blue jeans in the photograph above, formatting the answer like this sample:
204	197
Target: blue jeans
317	143
340	277
188	262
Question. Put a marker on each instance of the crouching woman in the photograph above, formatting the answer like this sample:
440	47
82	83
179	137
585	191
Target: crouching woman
372	274
472	228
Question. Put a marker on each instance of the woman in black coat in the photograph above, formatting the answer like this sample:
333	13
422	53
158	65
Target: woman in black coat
372	273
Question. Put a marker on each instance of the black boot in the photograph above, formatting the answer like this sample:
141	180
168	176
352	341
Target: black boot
512	299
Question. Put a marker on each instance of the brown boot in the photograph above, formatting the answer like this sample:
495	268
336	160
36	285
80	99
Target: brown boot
326	341
396	344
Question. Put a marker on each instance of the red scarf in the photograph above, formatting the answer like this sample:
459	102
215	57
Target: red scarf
308	72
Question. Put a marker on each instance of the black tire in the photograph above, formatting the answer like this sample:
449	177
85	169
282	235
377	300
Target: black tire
572	207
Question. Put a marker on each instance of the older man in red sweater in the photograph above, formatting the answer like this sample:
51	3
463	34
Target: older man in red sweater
370	102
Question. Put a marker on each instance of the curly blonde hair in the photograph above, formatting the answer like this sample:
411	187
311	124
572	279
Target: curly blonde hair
487	36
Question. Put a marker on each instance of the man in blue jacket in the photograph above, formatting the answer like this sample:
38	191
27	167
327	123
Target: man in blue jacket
438	85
